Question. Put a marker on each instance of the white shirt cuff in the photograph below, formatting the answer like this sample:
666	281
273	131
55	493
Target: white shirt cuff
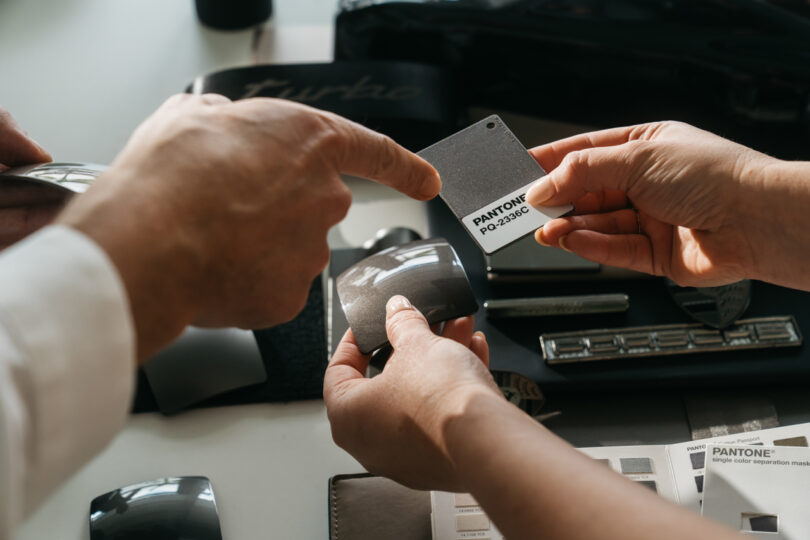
68	341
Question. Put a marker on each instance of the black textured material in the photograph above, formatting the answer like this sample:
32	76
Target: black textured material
412	103
734	68
294	355
233	14
514	344
718	306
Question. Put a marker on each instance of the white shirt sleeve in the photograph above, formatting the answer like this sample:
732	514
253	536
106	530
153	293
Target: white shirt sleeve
67	363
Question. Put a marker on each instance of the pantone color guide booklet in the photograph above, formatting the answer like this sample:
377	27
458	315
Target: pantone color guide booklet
761	491
676	472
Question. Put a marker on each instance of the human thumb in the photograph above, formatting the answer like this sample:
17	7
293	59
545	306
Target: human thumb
403	322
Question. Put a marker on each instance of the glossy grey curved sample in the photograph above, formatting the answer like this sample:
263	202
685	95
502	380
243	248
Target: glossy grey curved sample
175	508
390	237
427	272
71	178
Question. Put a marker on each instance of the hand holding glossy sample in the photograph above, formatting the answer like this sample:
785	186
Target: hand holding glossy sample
428	272
395	423
663	198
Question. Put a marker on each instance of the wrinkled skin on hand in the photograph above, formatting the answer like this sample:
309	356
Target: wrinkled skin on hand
216	212
394	423
661	198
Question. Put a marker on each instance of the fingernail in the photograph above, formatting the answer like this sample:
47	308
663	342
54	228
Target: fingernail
480	334
540	192
538	236
562	241
396	304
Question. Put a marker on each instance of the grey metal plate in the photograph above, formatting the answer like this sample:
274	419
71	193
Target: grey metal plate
667	340
480	164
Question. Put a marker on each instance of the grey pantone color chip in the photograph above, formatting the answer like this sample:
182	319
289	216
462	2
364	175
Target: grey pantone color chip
699	483
641	465
698	460
649	484
760	523
472	522
479	166
792	441
464	499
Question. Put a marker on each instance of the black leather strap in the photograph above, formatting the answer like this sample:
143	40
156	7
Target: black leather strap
412	103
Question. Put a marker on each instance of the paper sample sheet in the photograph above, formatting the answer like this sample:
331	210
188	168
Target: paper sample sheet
677	472
762	491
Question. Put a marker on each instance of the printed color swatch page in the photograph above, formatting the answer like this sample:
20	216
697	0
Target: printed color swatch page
676	472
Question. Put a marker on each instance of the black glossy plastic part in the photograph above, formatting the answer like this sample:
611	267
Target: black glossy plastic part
175	508
233	14
718	306
68	178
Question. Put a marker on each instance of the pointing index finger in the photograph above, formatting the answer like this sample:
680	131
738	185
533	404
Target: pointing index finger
368	154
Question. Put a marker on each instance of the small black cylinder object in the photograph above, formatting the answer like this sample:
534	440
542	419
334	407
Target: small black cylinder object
233	14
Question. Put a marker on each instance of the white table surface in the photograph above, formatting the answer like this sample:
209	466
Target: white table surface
79	75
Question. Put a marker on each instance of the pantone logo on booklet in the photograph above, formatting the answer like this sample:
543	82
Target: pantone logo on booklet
486	173
508	219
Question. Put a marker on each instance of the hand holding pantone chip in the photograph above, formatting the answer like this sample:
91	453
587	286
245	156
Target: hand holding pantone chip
486	173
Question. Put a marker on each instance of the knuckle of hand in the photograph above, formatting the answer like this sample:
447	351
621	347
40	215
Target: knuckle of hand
672	124
387	156
177	99
574	163
343	200
319	122
335	199
214	97
653	130
189	126
403	321
637	149
331	138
